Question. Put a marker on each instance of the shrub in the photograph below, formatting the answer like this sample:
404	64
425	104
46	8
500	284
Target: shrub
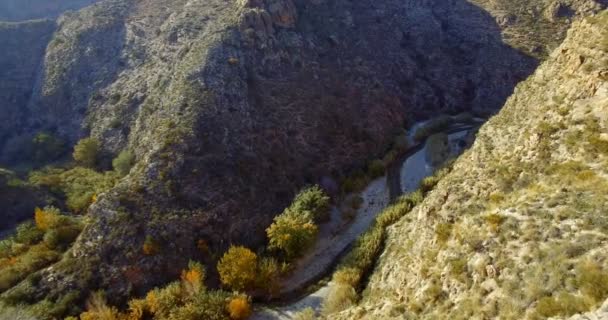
46	147
28	233
592	280
98	309
443	231
193	279
292	232
123	162
239	308
562	304
86	152
376	168
46	218
208	306
340	297
268	276
312	200
494	221
237	268
161	302
79	185
306	314
150	246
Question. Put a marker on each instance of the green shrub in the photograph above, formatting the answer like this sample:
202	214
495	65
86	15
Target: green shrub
86	152
79	185
376	168
123	162
28	233
268	274
46	147
312	200
292	232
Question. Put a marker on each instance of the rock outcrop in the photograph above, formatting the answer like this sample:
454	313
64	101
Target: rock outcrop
518	229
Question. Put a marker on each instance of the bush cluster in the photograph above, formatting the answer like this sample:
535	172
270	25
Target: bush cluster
242	270
79	185
36	245
187	299
292	233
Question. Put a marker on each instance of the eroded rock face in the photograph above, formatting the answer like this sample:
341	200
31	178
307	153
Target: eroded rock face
231	106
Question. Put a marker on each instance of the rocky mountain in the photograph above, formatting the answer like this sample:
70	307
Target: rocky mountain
230	107
19	10
518	229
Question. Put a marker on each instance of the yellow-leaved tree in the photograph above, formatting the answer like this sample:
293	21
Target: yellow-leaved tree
238	268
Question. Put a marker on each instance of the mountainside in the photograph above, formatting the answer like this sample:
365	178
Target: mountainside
518	229
19	10
230	107
21	58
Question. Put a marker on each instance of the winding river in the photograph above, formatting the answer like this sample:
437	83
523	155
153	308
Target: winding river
402	177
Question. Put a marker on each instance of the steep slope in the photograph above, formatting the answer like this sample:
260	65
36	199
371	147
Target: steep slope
537	27
23	47
519	228
230	107
19	10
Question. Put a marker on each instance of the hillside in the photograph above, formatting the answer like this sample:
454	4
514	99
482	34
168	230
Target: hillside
518	229
224	110
19	10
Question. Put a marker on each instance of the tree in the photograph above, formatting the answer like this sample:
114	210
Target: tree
292	232
86	151
238	267
313	200
123	162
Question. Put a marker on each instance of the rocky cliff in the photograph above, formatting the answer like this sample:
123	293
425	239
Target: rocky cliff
231	106
518	229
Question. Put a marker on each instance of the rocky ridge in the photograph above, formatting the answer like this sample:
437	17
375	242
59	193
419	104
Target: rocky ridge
517	230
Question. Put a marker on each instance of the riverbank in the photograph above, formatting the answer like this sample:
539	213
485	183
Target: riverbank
403	177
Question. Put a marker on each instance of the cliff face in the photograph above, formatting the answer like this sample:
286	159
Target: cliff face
232	106
518	228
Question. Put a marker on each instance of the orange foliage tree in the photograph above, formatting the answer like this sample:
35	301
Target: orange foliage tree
239	308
